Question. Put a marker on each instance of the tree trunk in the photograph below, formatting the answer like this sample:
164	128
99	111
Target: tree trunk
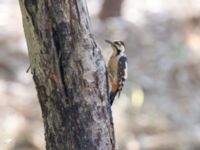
111	8
69	74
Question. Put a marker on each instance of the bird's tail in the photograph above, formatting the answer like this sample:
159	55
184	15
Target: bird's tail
112	97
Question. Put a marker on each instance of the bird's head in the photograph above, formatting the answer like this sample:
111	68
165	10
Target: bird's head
117	46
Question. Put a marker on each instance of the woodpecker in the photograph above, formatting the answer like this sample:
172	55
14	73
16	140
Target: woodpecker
117	68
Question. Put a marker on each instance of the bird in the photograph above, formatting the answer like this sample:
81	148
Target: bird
117	68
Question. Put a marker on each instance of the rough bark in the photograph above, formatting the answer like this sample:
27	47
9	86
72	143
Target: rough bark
69	74
110	8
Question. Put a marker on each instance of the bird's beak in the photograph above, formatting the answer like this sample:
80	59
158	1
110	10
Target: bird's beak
109	42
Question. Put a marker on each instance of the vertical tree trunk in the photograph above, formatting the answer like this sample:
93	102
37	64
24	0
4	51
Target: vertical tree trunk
69	74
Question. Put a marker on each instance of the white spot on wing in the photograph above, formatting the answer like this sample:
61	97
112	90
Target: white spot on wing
126	71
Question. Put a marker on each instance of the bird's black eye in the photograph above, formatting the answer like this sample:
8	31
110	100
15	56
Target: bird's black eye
117	43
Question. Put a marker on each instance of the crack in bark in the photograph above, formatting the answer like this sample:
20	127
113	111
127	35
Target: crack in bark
77	10
57	53
31	8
